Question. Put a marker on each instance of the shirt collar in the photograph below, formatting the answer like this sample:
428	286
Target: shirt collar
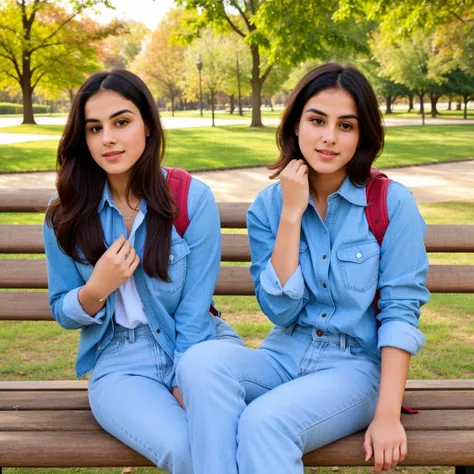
106	198
352	193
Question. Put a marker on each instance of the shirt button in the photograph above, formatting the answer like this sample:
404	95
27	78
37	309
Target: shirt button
319	333
171	258
158	331
323	315
324	285
324	257
99	348
358	255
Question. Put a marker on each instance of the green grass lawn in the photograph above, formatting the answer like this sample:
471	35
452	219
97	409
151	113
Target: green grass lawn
45	351
240	146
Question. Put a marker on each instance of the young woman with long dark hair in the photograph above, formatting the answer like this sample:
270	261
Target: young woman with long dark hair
331	366
119	271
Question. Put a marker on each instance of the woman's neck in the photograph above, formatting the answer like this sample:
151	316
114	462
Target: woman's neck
118	187
323	185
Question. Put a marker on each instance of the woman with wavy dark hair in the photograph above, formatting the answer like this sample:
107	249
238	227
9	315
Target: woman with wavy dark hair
119	270
331	366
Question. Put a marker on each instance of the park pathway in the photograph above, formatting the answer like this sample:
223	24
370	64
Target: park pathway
429	183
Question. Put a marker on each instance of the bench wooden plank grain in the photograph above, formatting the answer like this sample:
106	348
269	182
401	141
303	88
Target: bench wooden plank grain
20	273
59	449
72	395
441	385
16	238
70	420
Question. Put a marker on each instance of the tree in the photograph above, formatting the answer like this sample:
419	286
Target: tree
406	61
215	69
162	62
119	51
36	35
461	84
287	31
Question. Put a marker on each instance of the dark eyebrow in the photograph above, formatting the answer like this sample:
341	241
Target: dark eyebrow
115	114
319	112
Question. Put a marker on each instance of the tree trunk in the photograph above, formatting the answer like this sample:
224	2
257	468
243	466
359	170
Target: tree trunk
422	107
458	105
256	88
449	102
28	116
388	104
434	100
172	101
231	104
466	100
212	94
410	102
271	105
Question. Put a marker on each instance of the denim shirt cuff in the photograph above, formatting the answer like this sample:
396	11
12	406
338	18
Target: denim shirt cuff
401	335
294	287
73	310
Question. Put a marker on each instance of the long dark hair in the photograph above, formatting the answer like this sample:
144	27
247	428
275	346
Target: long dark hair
329	76
80	183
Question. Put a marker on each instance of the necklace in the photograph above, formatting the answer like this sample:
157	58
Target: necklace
135	210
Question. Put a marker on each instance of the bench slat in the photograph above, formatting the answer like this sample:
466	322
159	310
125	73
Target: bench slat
78	385
70	420
16	238
73	396
17	273
59	449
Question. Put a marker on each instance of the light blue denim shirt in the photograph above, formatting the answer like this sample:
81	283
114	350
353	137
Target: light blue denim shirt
341	265
177	311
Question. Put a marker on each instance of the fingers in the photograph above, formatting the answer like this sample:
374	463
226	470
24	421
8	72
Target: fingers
292	168
117	245
368	446
387	462
378	458
403	450
124	251
395	455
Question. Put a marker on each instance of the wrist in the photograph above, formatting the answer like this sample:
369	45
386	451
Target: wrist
385	413
93	293
291	216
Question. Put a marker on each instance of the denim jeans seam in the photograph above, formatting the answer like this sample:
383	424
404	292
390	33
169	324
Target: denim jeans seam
321	346
153	455
260	384
340	412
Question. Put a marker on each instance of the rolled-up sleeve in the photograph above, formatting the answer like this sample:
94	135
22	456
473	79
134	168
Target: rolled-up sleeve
64	283
282	304
403	272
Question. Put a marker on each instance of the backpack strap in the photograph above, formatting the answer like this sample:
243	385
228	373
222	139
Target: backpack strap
376	210
178	181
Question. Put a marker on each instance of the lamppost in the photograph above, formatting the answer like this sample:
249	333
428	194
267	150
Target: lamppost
199	66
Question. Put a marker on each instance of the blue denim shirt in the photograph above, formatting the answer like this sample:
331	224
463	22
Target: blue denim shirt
341	265
177	311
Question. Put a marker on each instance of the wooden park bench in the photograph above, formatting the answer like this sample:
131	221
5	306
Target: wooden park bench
42	423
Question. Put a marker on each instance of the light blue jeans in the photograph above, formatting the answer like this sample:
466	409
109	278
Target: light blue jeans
257	411
130	397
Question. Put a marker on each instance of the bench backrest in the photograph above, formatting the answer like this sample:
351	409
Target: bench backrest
23	274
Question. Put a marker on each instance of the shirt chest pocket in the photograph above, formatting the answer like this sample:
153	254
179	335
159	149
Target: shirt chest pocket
359	265
176	269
